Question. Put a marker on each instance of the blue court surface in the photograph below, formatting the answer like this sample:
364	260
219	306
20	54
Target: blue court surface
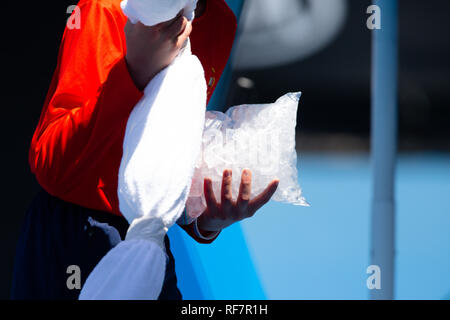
322	252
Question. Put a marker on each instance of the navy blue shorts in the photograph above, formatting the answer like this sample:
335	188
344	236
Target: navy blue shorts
57	234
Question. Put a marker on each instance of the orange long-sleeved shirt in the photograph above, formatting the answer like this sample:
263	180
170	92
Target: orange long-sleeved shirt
76	149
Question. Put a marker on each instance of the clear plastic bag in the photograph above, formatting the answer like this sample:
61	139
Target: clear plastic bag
258	137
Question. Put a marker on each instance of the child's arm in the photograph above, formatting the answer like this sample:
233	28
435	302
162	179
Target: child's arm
93	92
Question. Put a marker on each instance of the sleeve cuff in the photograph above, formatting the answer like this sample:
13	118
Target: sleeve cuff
201	236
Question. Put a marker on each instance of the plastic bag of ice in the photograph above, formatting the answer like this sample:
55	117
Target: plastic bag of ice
258	137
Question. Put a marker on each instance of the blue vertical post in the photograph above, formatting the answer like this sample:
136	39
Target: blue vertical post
384	146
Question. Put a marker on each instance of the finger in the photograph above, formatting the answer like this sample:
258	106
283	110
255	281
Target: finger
226	194
245	190
209	196
263	197
186	33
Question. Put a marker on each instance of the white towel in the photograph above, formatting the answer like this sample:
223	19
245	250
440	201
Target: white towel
152	12
133	270
162	143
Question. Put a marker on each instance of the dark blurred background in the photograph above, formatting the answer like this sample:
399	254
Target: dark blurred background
334	111
335	107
